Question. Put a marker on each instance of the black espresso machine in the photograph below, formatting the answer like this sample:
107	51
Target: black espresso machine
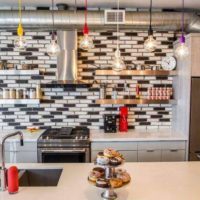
110	123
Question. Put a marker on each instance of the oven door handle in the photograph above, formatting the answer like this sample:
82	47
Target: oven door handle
63	151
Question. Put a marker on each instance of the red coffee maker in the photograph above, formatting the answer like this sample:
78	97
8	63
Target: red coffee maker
123	119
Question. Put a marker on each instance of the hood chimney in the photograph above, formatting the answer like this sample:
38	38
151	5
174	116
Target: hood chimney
67	59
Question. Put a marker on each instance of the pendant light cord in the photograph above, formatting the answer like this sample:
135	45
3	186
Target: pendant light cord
117	25
75	12
182	21
20	11
86	11
150	13
52	19
150	20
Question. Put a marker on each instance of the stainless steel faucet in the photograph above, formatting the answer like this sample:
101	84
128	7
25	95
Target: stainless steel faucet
3	168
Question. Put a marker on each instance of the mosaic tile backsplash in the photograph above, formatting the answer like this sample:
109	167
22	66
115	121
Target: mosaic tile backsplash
62	106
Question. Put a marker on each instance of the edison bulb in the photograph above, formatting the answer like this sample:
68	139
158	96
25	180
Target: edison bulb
86	42
182	51
53	49
150	44
118	63
20	43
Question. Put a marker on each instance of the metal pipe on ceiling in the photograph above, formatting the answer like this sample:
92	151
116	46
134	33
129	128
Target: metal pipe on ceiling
67	20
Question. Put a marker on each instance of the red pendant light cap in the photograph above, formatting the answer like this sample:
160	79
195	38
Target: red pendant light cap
85	29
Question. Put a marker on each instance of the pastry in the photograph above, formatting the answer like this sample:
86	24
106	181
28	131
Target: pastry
119	171
124	176
101	159
94	175
115	161
100	170
102	182
110	153
116	182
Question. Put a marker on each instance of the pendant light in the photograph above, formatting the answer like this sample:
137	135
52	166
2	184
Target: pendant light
118	63
150	44
86	42
20	42
53	49
182	50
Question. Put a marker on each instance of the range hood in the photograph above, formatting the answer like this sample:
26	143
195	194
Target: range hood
67	60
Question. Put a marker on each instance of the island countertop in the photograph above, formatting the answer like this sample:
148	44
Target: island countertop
150	181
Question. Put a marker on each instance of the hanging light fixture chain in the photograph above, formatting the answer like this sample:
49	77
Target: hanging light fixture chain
182	23
150	13
86	11
117	25
20	11
52	18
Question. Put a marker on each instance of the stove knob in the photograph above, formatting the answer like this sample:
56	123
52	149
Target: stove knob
81	137
76	138
86	137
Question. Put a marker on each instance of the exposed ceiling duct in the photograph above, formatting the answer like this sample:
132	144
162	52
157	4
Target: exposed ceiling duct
173	4
68	20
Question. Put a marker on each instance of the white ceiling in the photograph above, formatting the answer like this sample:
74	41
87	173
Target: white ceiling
191	4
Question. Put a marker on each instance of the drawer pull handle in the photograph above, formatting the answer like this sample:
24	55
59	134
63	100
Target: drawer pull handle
198	156
150	151
174	150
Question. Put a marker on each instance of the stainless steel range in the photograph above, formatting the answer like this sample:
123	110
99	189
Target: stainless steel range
64	145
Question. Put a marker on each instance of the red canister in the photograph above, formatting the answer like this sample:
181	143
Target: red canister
13	181
123	119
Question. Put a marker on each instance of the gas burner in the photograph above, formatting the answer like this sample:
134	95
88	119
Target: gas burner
65	136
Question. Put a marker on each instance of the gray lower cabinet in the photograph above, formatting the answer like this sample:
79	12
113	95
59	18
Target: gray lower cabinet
149	156
148	151
21	157
173	155
130	156
14	153
128	149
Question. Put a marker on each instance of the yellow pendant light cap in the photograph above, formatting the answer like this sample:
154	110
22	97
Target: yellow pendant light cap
20	30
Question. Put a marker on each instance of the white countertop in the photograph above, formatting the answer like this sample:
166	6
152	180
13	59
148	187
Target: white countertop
136	135
100	136
28	136
150	181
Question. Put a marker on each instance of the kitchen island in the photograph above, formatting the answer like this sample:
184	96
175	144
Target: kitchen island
150	181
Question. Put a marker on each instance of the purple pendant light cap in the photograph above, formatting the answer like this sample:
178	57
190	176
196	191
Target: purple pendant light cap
182	39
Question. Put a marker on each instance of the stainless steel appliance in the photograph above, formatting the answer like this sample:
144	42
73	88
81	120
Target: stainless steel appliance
194	146
64	145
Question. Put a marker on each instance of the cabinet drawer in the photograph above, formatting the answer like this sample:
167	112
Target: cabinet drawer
173	145
129	156
149	145
15	146
94	155
21	157
26	157
149	156
115	145
173	155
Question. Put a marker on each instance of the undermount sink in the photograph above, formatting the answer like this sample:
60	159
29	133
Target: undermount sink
39	177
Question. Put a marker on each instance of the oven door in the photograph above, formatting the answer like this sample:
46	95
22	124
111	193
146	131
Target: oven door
63	155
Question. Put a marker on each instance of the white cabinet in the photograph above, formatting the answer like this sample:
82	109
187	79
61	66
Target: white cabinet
128	149
148	151
14	153
149	155
173	155
130	156
115	145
